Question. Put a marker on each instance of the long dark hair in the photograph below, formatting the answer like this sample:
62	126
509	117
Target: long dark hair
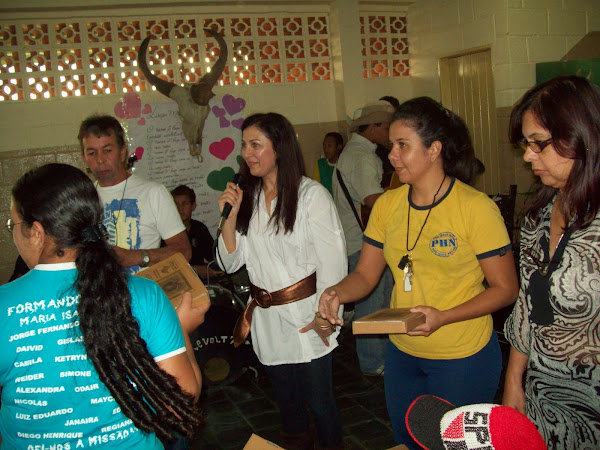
64	201
569	108
290	169
432	122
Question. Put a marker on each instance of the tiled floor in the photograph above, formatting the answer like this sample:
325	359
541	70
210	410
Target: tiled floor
246	406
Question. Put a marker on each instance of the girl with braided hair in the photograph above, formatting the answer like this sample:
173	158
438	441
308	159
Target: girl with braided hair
90	356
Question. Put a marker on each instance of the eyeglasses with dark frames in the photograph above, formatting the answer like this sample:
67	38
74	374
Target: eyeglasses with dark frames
10	225
535	146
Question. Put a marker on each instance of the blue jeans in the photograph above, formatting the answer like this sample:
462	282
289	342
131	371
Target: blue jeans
462	381
370	348
297	386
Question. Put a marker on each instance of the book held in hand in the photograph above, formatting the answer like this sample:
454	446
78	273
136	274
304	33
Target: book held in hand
175	276
388	321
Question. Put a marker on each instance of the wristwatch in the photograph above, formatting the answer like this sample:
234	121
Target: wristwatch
145	259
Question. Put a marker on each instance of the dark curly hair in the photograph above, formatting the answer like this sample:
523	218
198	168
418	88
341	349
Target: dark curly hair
569	108
64	201
432	122
290	169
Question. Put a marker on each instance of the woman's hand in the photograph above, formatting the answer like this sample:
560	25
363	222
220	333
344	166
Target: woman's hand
329	305
322	327
514	396
233	195
191	317
434	320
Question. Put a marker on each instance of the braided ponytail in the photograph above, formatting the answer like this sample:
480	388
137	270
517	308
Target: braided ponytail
65	202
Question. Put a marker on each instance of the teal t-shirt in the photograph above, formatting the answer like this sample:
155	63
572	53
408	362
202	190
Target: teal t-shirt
51	393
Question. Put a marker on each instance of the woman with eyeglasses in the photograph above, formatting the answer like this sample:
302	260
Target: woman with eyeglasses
554	328
89	355
441	238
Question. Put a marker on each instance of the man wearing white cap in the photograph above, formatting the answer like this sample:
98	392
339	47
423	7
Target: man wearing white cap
361	171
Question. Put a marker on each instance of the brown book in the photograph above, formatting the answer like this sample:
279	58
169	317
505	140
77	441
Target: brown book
175	276
257	443
388	321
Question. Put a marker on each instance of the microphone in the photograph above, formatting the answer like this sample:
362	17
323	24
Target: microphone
237	180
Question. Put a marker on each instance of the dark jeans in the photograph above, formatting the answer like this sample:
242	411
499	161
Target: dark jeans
370	348
179	443
297	386
462	381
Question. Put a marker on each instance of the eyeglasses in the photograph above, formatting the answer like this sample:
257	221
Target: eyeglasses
10	225
534	146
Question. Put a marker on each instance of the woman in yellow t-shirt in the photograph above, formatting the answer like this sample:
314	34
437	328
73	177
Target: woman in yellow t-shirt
441	238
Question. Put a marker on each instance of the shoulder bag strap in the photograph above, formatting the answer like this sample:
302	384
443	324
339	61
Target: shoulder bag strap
347	194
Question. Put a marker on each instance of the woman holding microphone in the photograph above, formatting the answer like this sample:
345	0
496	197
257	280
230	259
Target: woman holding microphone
284	227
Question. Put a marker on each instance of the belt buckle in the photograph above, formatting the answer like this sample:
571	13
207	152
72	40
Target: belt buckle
263	298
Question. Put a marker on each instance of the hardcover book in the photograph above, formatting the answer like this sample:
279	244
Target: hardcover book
388	321
175	276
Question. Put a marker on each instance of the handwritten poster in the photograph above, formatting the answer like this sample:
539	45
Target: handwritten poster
163	153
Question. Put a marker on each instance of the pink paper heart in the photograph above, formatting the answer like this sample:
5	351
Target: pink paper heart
233	105
222	149
223	122
147	109
130	107
139	152
237	123
142	121
218	112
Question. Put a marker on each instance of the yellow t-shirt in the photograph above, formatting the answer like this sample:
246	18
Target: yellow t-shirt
464	226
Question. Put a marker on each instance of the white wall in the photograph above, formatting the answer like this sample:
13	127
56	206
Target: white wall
520	33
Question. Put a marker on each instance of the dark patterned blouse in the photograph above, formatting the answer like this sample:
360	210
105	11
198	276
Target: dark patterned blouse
556	321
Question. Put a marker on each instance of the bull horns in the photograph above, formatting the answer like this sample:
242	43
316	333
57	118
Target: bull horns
201	92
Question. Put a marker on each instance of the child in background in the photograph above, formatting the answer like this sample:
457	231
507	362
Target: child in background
332	147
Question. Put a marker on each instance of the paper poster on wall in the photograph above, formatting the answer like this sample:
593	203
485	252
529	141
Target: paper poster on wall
156	137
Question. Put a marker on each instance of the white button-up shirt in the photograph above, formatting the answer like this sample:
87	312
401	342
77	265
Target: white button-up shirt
275	261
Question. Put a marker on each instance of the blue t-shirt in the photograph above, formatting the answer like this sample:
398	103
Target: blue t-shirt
51	393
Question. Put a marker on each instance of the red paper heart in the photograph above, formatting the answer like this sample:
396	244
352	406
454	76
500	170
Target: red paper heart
222	149
139	152
142	121
130	107
147	109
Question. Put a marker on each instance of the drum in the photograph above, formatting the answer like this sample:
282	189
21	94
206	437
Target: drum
220	362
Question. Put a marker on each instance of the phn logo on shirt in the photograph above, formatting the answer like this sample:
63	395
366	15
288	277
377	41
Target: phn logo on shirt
444	244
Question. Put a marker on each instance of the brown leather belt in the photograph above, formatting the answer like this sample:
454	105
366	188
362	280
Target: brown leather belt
260	297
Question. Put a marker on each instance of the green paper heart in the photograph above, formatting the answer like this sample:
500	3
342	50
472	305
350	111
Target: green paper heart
218	179
239	159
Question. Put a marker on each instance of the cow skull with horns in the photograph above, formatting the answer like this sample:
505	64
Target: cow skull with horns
192	100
